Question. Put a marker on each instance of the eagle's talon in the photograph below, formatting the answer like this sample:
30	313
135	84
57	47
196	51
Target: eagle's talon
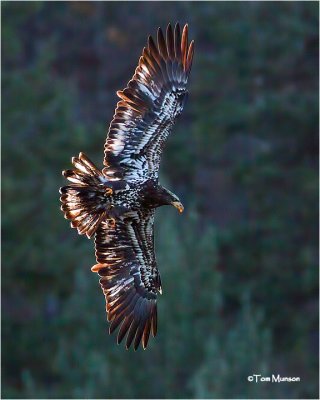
109	191
111	222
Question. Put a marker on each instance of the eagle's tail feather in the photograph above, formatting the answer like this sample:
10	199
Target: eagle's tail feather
85	199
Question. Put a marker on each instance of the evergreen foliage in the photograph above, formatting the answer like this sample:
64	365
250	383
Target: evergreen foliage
239	268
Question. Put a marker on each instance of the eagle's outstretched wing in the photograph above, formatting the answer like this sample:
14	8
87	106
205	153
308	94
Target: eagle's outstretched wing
123	234
149	105
129	276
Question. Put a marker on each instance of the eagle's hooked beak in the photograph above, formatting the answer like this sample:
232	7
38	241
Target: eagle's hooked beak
178	206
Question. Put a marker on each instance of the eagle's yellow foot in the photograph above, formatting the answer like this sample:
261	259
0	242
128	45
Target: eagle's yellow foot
109	191
111	223
97	267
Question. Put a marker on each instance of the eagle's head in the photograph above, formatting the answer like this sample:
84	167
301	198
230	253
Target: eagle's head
166	198
155	195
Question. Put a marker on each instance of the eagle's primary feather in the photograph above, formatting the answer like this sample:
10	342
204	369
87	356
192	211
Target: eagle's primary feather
117	205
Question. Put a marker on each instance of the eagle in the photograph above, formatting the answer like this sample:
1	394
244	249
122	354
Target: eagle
116	205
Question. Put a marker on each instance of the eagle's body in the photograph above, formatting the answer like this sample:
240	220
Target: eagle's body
117	205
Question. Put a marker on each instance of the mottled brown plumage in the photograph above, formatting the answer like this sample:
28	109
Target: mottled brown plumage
117	205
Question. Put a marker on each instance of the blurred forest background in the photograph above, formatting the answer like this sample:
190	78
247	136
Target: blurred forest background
239	267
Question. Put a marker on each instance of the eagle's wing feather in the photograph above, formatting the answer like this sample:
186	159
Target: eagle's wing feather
129	276
149	105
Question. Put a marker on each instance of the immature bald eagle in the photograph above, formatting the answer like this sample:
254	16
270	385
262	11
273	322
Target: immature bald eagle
117	205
